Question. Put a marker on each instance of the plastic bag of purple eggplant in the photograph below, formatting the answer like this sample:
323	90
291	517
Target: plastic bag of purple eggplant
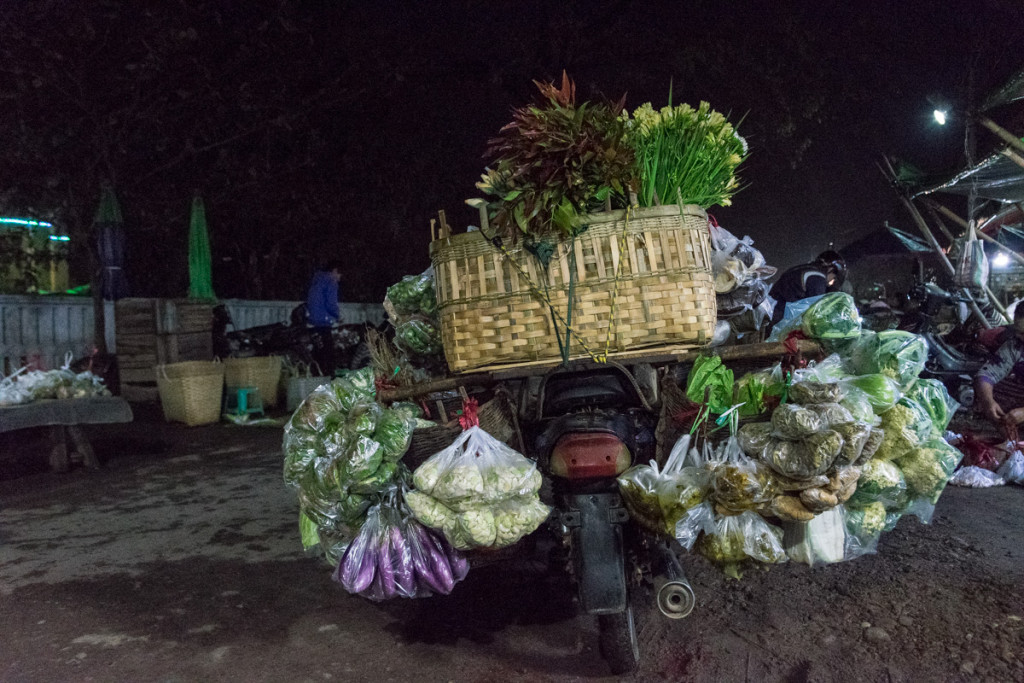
396	556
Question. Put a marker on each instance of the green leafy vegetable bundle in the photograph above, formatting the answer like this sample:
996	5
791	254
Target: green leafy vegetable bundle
341	451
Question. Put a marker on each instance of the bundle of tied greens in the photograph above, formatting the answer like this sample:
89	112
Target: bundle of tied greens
341	452
478	492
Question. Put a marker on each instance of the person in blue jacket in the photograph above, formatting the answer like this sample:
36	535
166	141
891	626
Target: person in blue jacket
323	313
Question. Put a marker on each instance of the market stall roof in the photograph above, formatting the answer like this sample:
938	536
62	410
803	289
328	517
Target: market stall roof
885	242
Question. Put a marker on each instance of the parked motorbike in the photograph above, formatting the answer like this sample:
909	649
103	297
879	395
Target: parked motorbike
586	428
293	340
954	356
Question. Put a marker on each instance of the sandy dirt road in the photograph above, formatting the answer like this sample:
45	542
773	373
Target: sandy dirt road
180	561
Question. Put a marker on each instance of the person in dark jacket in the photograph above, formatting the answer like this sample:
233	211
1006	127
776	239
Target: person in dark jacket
323	313
825	274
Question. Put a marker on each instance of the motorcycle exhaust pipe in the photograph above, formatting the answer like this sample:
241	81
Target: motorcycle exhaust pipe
675	598
673	592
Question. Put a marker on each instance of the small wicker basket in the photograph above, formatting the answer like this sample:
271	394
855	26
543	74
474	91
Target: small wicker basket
262	372
191	391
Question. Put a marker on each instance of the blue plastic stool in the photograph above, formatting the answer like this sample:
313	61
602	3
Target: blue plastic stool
243	401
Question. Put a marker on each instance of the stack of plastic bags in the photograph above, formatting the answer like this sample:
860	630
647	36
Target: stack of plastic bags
25	386
478	492
838	453
741	285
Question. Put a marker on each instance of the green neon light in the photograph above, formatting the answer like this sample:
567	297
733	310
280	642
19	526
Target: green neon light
25	221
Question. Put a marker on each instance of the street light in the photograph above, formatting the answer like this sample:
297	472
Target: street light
940	117
1001	260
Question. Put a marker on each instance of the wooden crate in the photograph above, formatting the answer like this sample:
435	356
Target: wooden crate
153	332
636	281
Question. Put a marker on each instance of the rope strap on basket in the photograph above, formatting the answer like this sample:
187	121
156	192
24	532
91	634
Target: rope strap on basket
539	253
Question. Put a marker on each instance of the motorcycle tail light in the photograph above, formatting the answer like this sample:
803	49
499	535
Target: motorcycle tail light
589	456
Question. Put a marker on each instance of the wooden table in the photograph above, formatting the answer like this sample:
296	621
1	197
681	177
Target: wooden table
63	419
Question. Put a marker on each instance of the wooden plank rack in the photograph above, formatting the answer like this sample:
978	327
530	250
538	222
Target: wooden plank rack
767	352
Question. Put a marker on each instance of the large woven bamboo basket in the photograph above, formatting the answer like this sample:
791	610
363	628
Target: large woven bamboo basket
262	372
191	391
639	283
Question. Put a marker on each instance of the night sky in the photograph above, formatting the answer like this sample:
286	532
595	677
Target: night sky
376	115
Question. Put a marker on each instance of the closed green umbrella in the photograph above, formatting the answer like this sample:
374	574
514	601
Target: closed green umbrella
200	274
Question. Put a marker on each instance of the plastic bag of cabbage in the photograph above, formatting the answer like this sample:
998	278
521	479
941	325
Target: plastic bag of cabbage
478	492
341	450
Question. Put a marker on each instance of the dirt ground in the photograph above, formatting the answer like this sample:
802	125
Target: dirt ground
180	561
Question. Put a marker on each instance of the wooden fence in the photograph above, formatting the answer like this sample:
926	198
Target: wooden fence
43	329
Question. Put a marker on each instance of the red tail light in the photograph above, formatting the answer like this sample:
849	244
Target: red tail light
589	455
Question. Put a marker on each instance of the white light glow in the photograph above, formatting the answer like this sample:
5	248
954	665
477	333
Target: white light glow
1001	260
940	117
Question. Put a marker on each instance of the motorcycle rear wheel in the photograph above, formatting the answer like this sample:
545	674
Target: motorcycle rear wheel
617	641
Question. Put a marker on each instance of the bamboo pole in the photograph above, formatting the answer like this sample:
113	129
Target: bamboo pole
926	231
1013	156
960	221
1004	135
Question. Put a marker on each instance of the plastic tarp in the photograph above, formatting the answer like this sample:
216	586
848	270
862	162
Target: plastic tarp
65	411
998	178
1012	91
911	242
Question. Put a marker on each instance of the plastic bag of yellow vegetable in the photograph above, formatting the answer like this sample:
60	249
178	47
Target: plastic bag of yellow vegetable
907	425
927	470
740	483
658	498
740	537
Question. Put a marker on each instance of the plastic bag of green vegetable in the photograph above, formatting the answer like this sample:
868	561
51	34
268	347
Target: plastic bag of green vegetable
708	375
933	396
881	392
894	353
810	457
834	316
791	421
414	294
419	336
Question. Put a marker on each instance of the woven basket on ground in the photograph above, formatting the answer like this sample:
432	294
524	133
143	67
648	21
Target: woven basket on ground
262	372
191	391
639	282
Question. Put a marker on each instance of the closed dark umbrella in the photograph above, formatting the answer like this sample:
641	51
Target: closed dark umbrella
200	274
109	228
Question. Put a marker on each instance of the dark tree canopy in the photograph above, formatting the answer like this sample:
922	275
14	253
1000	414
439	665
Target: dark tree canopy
336	130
